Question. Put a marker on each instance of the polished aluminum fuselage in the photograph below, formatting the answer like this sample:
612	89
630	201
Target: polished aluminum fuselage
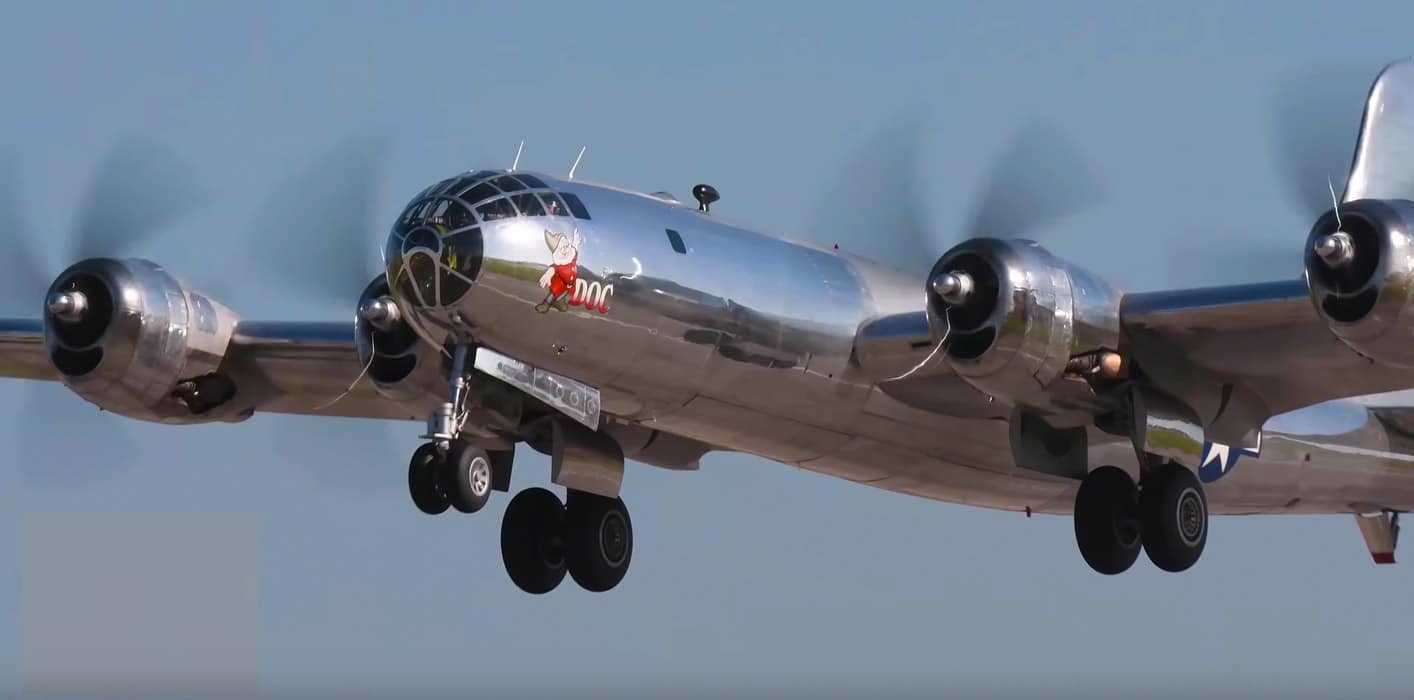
747	342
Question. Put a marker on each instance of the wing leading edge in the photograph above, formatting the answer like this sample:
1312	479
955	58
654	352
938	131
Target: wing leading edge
309	368
1238	355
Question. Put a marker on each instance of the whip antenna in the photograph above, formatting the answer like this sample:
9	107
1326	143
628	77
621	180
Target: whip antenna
576	162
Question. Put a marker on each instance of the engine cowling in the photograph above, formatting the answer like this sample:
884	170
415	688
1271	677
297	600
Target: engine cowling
1013	318
1360	273
401	366
132	339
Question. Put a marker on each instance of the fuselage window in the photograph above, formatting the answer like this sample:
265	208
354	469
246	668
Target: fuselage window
532	181
528	205
496	209
576	206
675	240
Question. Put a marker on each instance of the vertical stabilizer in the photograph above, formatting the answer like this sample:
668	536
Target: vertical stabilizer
1383	167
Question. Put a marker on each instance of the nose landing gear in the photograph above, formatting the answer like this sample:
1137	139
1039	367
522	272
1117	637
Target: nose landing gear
1167	515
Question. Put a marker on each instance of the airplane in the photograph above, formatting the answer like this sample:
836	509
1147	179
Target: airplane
600	325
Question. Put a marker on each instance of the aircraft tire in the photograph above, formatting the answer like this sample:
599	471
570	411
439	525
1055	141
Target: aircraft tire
423	485
1174	517
532	541
1107	528
598	542
466	477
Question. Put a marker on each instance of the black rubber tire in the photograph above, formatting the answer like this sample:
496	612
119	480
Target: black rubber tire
598	540
1107	527
532	541
1173	513
423	485
466	477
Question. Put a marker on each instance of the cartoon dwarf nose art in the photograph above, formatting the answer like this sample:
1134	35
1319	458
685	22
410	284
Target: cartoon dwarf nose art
561	278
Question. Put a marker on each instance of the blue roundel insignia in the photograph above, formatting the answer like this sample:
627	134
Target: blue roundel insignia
1218	459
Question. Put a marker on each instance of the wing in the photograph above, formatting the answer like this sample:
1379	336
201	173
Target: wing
1241	354
303	368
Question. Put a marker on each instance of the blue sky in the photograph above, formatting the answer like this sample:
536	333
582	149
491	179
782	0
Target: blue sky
749	577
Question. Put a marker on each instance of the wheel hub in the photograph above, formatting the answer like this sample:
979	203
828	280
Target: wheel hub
1190	517
1126	529
613	539
480	476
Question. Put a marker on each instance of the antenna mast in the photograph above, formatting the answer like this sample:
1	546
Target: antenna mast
576	162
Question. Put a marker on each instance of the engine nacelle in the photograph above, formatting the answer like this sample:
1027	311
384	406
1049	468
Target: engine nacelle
1013	318
401	365
132	339
1360	273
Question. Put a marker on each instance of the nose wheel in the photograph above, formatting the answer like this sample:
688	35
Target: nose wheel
425	482
459	478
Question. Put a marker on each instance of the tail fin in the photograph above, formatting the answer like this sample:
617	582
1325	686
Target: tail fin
1383	166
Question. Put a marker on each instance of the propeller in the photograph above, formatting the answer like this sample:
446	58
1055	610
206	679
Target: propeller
1038	179
318	234
1316	113
874	208
1314	117
137	189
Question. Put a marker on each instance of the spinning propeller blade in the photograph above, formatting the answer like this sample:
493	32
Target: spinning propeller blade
1038	180
23	274
873	208
1315	116
318	232
137	188
319	235
1041	178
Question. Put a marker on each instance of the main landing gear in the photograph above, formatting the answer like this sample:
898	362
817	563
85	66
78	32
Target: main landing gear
590	537
1166	515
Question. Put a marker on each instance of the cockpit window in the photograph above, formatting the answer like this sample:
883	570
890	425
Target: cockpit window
461	252
481	192
426	209
528	205
450	215
576	206
532	181
453	186
507	184
554	206
410	213
496	209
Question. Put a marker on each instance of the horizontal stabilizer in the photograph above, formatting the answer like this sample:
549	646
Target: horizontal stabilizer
1381	533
